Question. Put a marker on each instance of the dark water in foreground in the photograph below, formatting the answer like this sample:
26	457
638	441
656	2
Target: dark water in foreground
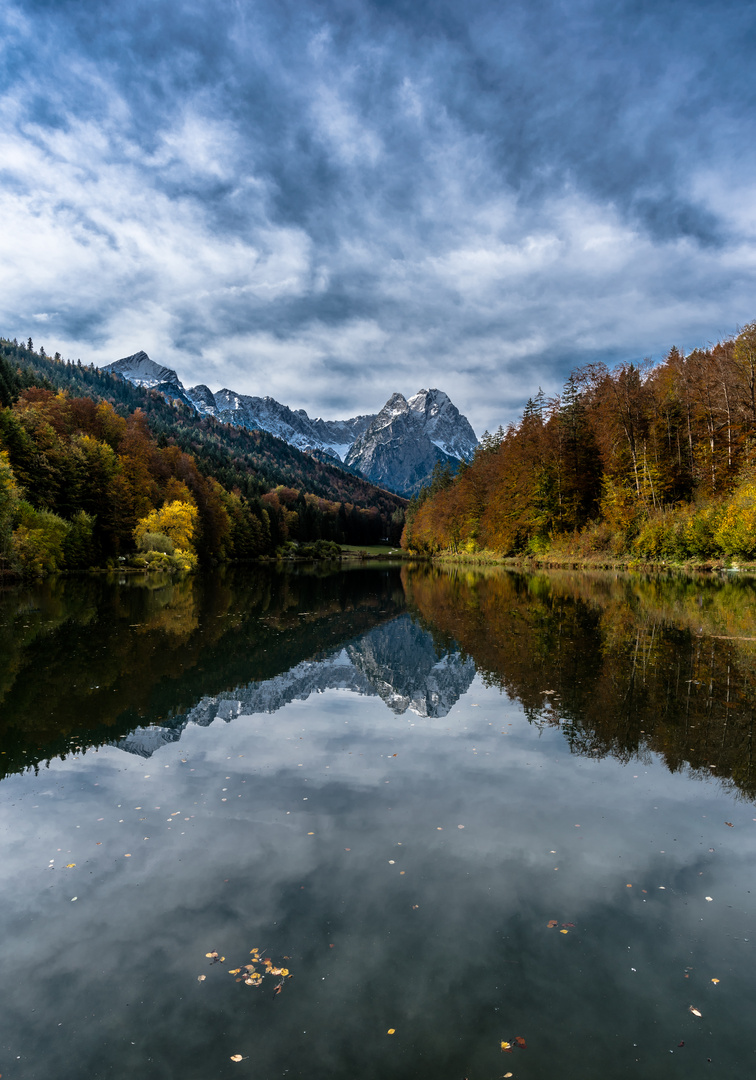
390	782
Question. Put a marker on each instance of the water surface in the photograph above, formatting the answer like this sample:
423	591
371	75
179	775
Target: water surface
390	782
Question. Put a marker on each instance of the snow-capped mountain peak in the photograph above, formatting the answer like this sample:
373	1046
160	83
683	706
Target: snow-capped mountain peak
142	371
395	448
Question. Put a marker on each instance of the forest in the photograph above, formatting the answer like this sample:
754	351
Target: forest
94	471
647	462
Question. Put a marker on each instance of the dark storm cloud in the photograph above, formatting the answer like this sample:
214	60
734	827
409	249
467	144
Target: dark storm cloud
278	196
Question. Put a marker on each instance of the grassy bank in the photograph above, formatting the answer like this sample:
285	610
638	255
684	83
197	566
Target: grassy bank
565	561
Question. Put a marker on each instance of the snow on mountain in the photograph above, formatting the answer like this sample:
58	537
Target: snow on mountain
444	424
406	440
396	448
141	371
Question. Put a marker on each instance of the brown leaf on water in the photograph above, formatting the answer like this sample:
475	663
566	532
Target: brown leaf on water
275	971
278	989
519	1041
552	923
681	1043
694	1011
730	824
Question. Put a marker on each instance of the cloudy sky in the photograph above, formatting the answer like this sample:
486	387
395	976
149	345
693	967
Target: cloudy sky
329	200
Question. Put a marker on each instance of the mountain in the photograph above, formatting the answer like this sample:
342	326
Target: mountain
331	437
402	445
397	662
397	448
139	370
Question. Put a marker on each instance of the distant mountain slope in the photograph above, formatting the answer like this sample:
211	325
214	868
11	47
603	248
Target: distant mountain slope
254	462
396	448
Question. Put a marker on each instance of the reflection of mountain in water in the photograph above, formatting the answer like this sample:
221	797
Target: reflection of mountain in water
398	662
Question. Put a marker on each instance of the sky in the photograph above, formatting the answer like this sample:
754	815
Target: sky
331	200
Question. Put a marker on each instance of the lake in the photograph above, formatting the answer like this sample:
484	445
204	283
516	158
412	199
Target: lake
387	821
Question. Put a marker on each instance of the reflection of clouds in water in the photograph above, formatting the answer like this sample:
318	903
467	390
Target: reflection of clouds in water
474	959
398	661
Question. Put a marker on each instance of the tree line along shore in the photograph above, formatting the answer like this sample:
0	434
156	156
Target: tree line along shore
645	463
95	472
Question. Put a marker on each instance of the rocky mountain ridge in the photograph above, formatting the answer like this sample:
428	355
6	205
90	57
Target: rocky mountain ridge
396	448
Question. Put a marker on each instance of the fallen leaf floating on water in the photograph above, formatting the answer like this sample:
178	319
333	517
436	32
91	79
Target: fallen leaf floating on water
391	1031
552	923
519	1041
236	1057
681	1043
715	981
564	931
250	976
507	1075
70	865
201	978
730	824
695	1011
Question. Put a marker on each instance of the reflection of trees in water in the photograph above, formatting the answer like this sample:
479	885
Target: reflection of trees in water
635	665
84	659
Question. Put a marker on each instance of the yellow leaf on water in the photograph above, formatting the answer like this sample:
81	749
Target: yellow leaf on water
507	1074
285	971
70	866
694	1011
234	971
210	955
505	1045
564	931
715	981
391	1031
236	1057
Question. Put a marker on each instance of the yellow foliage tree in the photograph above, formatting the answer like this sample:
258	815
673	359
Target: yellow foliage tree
177	520
736	534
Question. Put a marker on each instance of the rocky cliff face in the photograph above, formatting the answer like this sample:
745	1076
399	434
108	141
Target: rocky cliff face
402	445
397	448
331	437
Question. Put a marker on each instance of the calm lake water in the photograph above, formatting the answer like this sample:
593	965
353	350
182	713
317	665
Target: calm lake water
458	809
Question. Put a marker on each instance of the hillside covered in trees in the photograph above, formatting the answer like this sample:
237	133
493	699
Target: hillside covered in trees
93	470
654	462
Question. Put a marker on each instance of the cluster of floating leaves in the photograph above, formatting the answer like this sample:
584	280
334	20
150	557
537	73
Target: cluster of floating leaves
252	974
507	1047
